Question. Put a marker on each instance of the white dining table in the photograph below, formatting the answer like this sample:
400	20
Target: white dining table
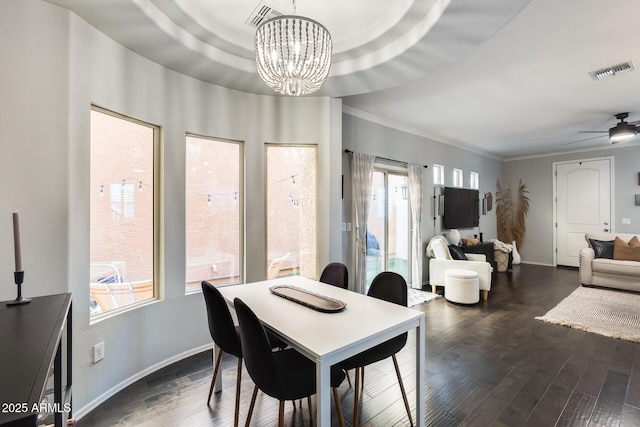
329	338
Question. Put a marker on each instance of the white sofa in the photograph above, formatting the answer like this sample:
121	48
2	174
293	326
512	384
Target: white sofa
606	272
440	261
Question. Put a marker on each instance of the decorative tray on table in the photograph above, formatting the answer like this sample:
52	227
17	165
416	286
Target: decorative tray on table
309	299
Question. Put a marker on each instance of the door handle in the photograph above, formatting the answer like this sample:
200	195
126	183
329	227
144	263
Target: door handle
606	229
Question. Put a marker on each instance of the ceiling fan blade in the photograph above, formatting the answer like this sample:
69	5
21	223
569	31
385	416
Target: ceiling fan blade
582	140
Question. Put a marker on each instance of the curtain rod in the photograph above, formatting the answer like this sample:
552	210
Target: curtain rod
346	150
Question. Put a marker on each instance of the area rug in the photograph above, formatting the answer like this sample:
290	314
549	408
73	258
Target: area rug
601	311
418	297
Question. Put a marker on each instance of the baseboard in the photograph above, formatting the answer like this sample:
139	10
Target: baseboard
537	263
79	413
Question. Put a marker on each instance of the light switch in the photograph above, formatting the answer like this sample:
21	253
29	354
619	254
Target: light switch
626	221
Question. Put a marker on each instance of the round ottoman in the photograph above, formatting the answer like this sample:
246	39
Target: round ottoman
461	286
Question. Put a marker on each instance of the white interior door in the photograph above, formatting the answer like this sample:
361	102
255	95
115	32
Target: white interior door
583	204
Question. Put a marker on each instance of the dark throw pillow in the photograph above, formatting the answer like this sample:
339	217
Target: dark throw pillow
602	248
457	253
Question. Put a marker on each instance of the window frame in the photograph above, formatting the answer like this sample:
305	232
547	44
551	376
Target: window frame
241	209
439	169
458	178
158	264
267	145
474	180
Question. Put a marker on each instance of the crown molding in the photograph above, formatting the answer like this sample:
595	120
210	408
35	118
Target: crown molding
576	151
364	115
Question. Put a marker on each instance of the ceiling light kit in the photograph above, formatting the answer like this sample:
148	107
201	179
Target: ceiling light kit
293	54
623	130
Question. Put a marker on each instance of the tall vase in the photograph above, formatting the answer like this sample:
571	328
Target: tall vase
516	255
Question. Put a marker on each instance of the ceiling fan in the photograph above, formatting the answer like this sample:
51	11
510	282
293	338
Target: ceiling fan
622	131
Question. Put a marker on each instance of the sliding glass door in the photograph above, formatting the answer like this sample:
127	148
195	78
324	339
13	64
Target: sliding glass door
389	225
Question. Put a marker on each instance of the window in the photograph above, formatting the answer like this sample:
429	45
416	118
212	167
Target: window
291	210
214	226
123	208
457	178
474	180
438	174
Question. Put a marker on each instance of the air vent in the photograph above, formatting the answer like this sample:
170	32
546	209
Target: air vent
612	71
262	13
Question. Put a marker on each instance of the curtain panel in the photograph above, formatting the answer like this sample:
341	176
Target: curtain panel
361	182
415	201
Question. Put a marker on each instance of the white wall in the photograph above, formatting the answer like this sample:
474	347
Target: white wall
54	66
34	153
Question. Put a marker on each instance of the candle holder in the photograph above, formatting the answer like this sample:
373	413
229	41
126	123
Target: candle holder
19	277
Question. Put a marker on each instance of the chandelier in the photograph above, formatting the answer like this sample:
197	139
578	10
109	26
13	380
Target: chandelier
293	54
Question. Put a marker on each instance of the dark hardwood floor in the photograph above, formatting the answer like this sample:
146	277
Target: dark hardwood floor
491	364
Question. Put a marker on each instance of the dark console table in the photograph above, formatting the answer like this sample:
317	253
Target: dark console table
35	362
482	248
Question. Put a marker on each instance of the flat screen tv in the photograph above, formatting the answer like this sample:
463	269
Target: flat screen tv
461	208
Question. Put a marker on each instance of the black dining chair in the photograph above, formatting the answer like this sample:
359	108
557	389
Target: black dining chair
335	274
284	375
226	336
392	287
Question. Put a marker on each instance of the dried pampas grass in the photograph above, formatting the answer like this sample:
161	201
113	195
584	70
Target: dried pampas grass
510	215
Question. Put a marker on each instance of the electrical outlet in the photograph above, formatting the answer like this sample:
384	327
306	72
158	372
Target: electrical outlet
626	221
98	352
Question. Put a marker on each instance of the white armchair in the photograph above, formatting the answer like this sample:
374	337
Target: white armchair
441	261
